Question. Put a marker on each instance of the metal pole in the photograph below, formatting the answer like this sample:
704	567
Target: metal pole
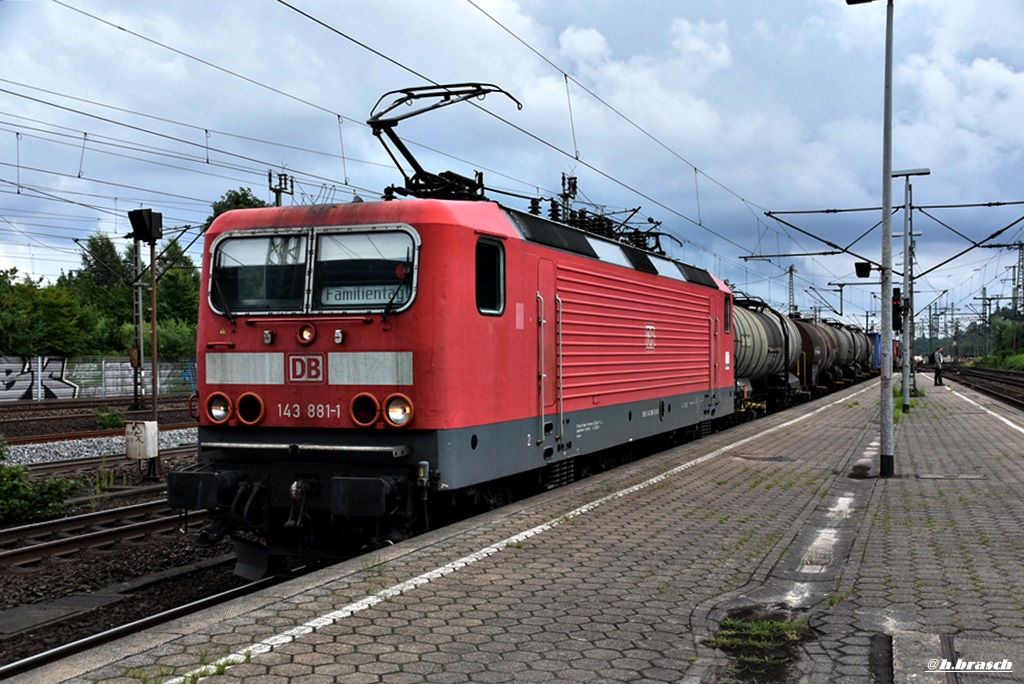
887	457
156	467
152	320
907	298
907	319
138	318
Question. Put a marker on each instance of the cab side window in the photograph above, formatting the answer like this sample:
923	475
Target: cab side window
490	277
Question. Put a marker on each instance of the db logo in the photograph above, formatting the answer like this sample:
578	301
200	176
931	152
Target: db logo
306	368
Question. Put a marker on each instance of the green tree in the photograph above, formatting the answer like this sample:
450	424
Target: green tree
103	281
15	330
176	339
235	199
178	286
36	320
61	326
102	288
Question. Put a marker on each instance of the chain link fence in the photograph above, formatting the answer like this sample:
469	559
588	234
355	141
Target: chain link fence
44	377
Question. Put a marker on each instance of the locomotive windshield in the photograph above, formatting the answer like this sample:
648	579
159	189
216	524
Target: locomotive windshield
359	271
260	274
310	269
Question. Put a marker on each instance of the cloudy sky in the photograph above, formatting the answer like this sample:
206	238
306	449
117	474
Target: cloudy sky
706	114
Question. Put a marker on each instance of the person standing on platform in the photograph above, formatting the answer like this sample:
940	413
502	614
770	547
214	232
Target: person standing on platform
937	361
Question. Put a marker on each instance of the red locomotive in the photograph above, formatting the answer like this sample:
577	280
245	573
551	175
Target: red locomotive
364	366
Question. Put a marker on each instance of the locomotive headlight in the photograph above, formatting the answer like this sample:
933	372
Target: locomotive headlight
398	410
364	409
306	333
250	408
218	408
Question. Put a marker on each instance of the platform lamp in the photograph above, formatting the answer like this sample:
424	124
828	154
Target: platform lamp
886	467
907	328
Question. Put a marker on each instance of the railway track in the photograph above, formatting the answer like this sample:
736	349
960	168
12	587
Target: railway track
71	466
30	544
1007	386
25	422
151	620
83	434
81	405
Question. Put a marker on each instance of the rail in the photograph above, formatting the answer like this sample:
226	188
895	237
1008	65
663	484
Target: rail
1007	386
78	539
115	633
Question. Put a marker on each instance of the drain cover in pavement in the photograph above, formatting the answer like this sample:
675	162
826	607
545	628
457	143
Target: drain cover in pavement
774	459
933	476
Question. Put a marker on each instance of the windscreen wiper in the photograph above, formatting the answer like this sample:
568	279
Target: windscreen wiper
406	272
223	301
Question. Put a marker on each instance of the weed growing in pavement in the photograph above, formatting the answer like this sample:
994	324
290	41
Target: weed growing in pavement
144	676
199	674
223	665
761	647
835	599
372	567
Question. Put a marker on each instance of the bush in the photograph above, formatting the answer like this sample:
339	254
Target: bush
22	500
1015	362
109	419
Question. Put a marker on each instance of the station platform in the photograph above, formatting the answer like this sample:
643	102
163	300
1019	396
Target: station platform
654	572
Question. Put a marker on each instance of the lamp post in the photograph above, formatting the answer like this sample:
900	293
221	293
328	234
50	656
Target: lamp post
887	457
906	347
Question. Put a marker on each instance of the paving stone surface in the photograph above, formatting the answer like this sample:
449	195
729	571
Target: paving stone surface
629	575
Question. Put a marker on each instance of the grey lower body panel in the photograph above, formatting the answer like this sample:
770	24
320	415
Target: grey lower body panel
472	455
463	457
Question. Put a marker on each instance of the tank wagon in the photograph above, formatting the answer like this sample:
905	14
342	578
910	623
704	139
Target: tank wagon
768	355
362	368
782	360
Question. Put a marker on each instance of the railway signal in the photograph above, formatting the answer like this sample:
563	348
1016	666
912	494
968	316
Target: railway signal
897	309
148	226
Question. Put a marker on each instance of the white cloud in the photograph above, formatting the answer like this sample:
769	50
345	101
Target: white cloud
701	46
586	46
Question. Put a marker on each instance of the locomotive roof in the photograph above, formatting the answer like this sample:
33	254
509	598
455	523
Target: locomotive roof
518	225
